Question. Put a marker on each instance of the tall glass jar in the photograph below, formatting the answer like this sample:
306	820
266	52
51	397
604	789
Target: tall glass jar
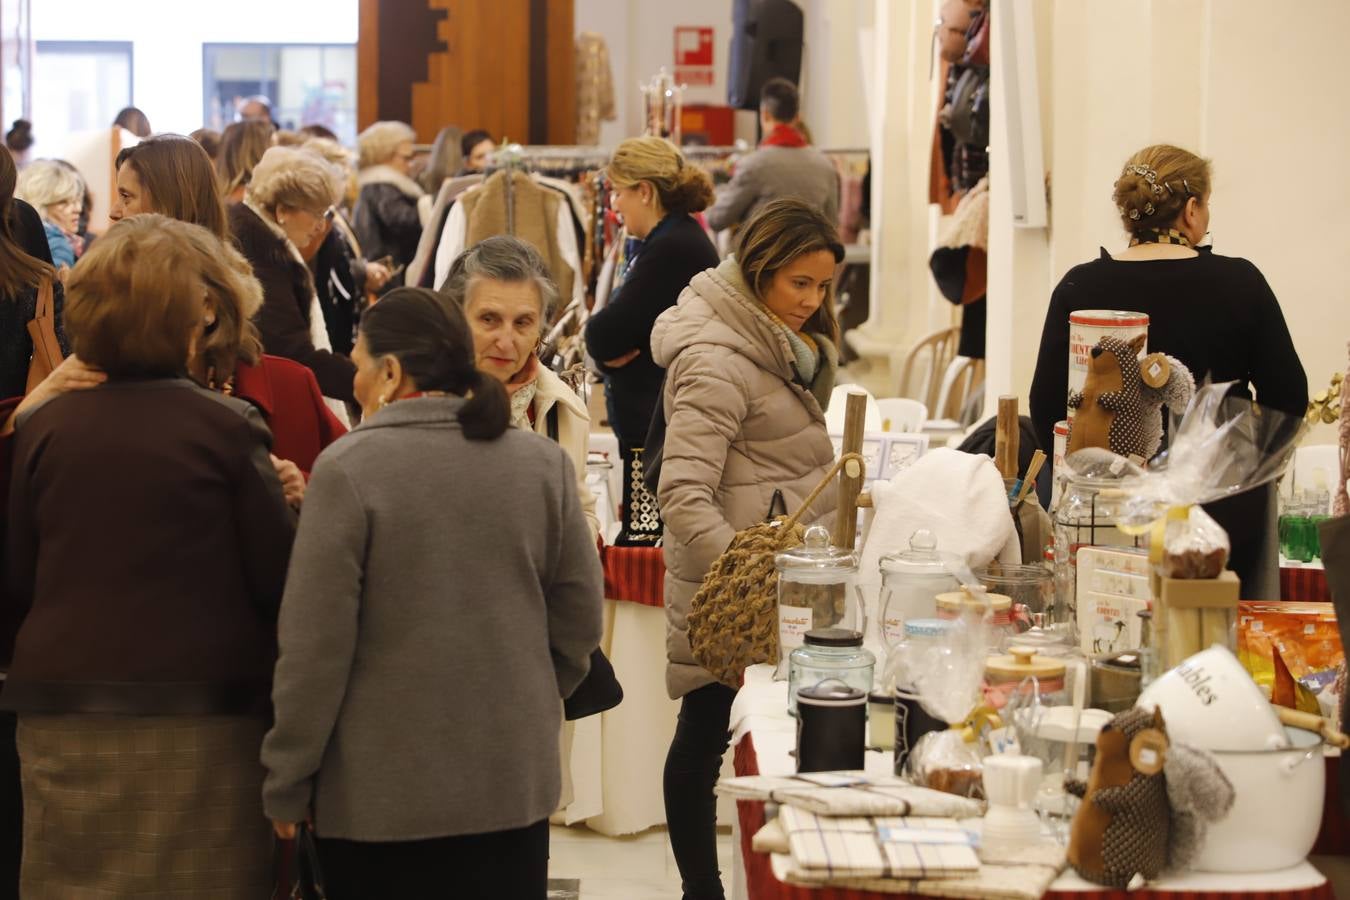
1031	587
1088	511
817	588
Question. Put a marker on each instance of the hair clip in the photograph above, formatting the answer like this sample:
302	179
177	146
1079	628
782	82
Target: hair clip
1148	209
1168	186
1187	186
1134	214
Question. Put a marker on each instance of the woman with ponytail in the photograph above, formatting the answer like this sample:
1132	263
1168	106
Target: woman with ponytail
444	596
657	193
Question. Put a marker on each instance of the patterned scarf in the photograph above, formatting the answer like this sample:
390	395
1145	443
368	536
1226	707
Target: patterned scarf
1159	236
521	389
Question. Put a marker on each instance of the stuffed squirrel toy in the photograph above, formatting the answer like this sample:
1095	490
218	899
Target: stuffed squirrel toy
1147	803
1120	406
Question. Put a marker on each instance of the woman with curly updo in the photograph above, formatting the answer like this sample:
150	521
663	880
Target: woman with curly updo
1215	313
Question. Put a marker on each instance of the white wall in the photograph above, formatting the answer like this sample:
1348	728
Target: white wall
1226	78
640	35
168	35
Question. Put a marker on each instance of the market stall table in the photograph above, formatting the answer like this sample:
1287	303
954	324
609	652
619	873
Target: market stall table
763	736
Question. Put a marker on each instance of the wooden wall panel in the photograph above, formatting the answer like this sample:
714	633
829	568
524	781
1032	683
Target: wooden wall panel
468	63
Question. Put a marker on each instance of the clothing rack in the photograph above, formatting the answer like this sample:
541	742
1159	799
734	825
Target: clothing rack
542	157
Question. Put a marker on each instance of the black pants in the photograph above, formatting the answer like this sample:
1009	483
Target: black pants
510	865
692	766
11	809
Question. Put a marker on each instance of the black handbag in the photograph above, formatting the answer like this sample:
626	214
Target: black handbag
308	884
598	692
600	689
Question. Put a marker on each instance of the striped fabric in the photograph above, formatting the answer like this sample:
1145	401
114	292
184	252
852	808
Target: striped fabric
163	807
762	885
1304	584
634	574
853	846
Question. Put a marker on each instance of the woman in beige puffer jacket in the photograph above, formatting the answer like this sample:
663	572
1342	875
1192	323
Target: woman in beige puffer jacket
750	357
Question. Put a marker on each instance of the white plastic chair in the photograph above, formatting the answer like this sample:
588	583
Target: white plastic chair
834	416
902	414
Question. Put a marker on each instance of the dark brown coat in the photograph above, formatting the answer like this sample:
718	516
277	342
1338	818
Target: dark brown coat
147	553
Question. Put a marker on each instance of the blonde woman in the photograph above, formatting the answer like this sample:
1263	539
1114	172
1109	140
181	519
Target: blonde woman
386	217
57	193
286	206
657	192
1215	313
751	360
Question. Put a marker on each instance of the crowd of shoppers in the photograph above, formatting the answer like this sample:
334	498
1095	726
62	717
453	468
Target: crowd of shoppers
229	616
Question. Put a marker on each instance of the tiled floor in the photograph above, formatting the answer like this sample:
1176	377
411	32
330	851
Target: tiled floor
639	867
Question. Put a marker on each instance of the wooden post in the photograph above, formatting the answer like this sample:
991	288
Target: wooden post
1006	437
851	478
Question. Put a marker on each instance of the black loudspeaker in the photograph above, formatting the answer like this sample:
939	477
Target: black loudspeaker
766	42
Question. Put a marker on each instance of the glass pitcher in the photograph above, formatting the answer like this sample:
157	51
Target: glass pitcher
817	588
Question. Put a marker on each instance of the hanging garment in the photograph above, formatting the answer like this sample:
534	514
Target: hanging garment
595	87
424	261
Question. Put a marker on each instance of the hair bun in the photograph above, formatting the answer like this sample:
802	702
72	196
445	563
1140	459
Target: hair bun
693	189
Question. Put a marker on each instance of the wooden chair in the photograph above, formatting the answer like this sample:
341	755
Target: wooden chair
921	375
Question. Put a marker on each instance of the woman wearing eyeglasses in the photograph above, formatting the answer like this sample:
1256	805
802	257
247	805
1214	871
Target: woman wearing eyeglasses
285	208
386	217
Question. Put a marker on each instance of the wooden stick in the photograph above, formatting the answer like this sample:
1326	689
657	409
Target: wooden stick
1006	436
851	478
1029	479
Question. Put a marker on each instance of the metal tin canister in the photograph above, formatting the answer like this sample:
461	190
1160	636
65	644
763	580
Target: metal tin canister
1087	327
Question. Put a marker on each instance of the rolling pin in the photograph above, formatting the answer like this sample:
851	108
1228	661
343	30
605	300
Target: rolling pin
1316	724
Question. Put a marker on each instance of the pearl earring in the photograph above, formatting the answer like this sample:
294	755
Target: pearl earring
383	401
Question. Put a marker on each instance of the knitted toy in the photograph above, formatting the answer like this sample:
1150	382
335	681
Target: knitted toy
1199	793
1122	829
1120	406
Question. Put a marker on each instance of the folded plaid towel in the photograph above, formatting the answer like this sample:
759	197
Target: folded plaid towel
851	794
866	847
991	882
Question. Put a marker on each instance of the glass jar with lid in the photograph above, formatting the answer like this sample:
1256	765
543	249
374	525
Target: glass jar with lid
817	588
829	653
1089	509
1005	622
910	583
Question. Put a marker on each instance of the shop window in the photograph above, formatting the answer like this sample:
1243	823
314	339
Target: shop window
307	83
80	86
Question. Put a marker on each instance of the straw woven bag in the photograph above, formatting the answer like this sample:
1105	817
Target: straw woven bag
733	619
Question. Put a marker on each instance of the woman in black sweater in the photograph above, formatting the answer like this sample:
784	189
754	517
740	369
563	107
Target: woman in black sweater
1215	313
657	193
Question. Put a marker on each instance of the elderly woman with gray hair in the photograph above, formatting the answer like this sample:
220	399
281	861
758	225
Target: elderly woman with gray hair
286	206
386	218
507	294
57	193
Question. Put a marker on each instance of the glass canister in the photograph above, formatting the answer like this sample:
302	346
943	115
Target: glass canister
829	653
817	588
1021	671
1006	622
1088	511
910	583
1031	587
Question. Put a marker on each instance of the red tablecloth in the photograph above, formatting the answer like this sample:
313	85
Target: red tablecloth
763	886
635	574
1304	584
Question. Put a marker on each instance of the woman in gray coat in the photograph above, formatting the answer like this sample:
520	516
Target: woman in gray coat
443	598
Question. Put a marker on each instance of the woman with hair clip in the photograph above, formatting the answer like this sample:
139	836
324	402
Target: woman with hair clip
424	656
1215	313
750	357
657	193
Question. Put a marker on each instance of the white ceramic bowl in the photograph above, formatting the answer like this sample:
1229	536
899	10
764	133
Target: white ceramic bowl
1278	810
1210	702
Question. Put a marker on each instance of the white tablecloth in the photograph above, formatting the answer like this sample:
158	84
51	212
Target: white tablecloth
760	710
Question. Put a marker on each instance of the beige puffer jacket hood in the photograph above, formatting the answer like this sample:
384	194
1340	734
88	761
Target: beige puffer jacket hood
739	425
